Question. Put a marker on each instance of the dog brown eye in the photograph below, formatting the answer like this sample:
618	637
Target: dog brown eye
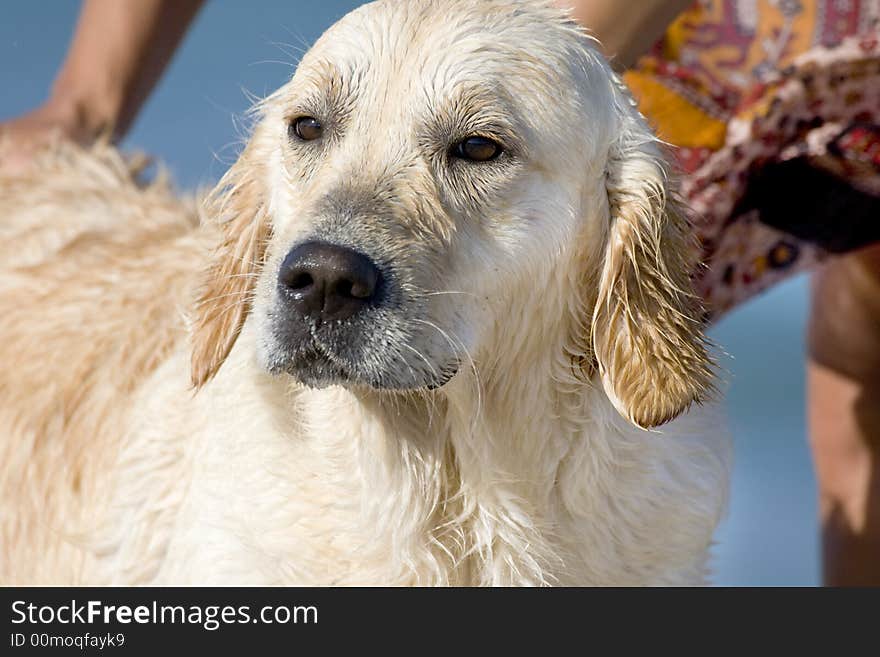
477	149
307	128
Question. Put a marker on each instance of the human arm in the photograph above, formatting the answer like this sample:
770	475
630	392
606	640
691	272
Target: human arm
118	52
626	30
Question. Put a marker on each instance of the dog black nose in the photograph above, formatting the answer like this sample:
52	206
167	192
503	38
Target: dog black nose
327	282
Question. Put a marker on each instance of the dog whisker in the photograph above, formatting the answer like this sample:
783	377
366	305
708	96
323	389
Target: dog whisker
445	292
457	345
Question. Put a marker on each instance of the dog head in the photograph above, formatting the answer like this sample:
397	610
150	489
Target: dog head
429	164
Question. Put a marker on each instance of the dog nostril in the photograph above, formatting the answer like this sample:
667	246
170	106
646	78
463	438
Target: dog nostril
360	289
344	289
301	281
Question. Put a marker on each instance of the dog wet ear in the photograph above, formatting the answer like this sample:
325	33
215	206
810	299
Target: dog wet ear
237	206
647	323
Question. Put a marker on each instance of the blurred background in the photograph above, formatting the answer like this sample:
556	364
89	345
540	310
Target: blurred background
237	51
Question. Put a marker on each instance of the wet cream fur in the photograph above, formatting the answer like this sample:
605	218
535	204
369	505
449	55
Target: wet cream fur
142	441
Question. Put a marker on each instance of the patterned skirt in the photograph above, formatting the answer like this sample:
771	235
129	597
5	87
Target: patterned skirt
773	107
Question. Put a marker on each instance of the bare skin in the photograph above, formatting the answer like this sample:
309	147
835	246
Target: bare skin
843	382
627	30
120	50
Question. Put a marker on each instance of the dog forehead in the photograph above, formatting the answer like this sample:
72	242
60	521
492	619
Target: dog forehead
435	47
427	23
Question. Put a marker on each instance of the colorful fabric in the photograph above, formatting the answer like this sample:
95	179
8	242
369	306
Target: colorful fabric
766	102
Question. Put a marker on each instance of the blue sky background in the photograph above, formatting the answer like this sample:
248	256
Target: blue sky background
192	123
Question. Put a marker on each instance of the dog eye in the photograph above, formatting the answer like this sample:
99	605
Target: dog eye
477	149
307	128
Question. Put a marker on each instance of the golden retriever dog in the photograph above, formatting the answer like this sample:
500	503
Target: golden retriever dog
434	326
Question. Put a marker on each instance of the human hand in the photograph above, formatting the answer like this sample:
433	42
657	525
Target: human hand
24	137
118	52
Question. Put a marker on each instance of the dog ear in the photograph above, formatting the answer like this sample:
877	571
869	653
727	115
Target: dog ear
647	323
237	206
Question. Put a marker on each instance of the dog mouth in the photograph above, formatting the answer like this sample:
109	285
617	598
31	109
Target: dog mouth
316	364
445	377
315	367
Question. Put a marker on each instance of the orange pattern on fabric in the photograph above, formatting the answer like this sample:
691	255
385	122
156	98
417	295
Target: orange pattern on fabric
676	120
710	58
